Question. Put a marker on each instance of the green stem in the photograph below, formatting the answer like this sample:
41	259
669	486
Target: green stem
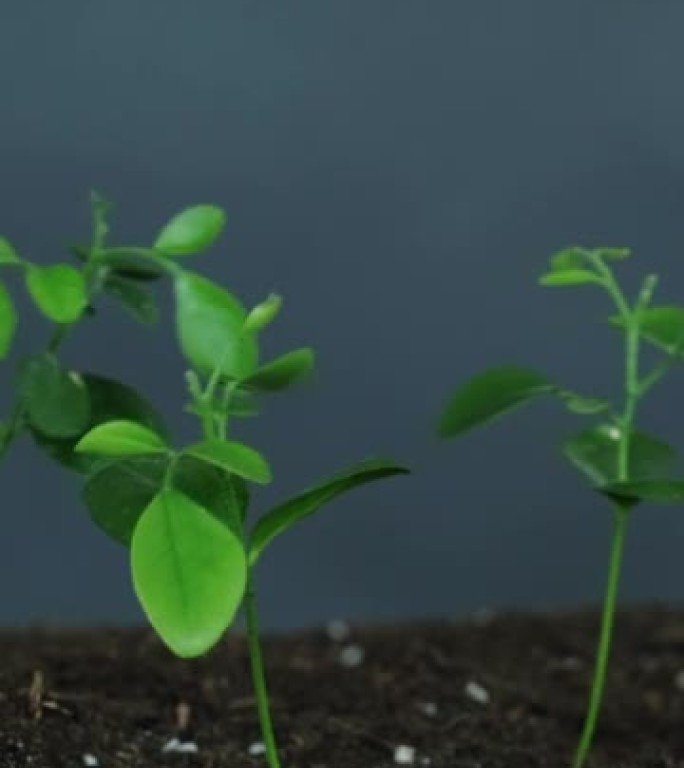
258	676
605	639
633	392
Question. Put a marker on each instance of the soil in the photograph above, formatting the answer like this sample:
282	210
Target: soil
494	691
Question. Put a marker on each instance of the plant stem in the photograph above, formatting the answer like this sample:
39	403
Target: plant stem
258	676
633	391
607	622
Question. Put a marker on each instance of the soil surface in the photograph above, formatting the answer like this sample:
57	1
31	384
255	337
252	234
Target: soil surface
494	691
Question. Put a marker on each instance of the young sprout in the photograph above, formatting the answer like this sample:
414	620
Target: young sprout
183	511
623	464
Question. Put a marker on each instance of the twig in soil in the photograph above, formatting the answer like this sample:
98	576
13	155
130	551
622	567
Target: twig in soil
36	694
183	712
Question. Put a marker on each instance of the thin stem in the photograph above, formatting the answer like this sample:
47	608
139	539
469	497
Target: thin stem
605	639
258	676
633	391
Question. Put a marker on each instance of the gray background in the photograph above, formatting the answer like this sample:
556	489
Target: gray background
400	171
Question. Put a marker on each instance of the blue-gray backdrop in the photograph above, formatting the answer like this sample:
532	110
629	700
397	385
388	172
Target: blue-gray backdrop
400	172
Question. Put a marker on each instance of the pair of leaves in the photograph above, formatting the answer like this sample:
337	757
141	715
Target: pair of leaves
108	399
119	438
184	530
575	265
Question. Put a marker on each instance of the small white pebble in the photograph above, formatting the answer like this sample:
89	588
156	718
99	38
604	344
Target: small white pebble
679	680
182	747
90	760
404	755
428	708
351	656
477	693
257	749
337	630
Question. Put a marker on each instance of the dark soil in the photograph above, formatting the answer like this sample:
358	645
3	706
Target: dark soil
114	698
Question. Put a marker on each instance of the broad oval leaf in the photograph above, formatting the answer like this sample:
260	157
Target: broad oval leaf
310	501
120	438
137	300
662	326
8	321
489	395
283	372
59	291
110	400
189	572
232	457
209	323
570	277
56	400
594	452
191	230
8	254
655	491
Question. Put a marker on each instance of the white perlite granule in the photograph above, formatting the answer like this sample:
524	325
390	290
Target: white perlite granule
91	761
351	656
257	749
477	693
182	747
337	630
404	755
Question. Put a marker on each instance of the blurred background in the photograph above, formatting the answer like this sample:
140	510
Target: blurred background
400	172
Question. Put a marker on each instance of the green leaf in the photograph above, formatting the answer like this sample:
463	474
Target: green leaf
138	264
117	493
8	321
7	253
59	291
286	515
189	573
232	457
283	372
138	301
120	438
570	259
224	495
263	314
584	406
191	230
490	394
56	400
570	277
612	254
110	400
594	452
662	326
657	491
241	405
209	324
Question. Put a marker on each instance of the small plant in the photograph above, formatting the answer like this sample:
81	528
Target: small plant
623	464
183	511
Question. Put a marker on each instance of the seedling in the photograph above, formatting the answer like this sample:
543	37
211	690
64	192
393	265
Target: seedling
183	511
624	465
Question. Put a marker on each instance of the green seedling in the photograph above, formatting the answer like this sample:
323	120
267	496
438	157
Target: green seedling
624	465
182	511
